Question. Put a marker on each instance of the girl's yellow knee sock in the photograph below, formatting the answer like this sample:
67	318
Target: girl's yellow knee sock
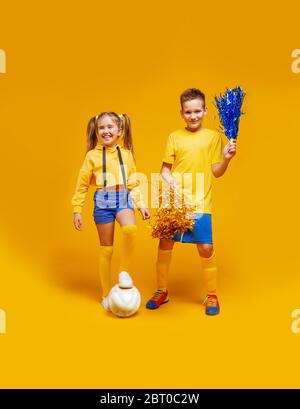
128	245
104	268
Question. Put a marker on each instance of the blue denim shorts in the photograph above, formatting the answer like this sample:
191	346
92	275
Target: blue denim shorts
108	204
201	232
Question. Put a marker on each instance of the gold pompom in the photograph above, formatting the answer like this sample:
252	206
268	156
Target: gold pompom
172	217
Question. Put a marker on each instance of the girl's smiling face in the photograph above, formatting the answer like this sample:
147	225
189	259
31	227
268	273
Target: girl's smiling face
108	131
193	112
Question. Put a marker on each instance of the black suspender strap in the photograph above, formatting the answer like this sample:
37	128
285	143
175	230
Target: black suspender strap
104	167
122	166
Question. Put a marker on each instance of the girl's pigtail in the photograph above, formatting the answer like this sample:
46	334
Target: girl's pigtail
91	134
127	133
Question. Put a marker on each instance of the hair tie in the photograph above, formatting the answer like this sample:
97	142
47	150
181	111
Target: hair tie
122	117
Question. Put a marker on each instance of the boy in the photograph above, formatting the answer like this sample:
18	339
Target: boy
192	156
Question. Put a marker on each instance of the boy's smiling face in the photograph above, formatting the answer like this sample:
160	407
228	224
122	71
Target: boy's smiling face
193	112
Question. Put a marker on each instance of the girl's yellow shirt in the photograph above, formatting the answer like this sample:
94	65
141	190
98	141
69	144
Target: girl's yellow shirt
91	174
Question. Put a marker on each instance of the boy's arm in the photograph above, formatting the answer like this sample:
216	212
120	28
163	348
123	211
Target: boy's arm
165	173
168	160
218	169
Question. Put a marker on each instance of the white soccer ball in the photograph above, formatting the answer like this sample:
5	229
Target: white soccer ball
124	299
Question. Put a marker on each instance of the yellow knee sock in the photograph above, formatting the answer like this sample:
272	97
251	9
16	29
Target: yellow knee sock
104	268
210	273
128	245
162	268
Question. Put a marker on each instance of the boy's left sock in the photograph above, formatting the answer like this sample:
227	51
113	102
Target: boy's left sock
210	271
162	268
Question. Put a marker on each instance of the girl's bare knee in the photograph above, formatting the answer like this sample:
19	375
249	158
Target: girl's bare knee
106	242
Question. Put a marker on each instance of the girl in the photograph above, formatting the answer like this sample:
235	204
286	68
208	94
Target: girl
109	165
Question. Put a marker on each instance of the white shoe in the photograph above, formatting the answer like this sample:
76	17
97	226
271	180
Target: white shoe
125	281
105	303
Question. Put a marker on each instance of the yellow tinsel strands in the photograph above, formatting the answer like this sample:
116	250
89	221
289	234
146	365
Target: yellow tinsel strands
172	217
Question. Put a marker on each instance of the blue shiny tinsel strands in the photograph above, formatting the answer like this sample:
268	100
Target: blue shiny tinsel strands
230	110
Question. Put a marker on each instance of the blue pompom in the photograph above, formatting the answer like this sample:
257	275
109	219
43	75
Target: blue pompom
230	109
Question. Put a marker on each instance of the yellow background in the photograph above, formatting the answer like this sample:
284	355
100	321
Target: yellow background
67	61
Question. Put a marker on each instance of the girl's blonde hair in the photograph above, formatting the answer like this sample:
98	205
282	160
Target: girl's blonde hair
122	121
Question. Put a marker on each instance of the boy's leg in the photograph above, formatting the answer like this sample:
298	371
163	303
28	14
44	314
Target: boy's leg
126	218
210	270
206	252
164	255
163	262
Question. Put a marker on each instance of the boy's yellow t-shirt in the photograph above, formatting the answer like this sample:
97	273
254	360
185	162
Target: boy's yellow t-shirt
192	154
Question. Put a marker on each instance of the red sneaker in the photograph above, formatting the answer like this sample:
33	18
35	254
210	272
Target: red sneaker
159	297
212	306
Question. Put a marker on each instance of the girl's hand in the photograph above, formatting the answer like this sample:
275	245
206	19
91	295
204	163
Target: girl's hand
145	213
230	149
77	221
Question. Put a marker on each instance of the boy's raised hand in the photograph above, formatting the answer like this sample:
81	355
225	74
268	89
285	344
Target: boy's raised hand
145	213
77	221
230	149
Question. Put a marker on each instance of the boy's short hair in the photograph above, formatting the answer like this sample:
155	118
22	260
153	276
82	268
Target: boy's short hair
191	93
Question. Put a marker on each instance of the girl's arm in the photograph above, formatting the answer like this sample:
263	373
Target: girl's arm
82	185
135	191
133	185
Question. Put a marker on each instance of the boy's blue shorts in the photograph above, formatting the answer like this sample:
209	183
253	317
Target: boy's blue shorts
201	232
108	204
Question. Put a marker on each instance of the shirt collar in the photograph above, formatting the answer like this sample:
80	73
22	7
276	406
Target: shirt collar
107	148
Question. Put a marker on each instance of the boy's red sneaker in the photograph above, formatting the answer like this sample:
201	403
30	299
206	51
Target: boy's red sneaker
212	306
159	297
